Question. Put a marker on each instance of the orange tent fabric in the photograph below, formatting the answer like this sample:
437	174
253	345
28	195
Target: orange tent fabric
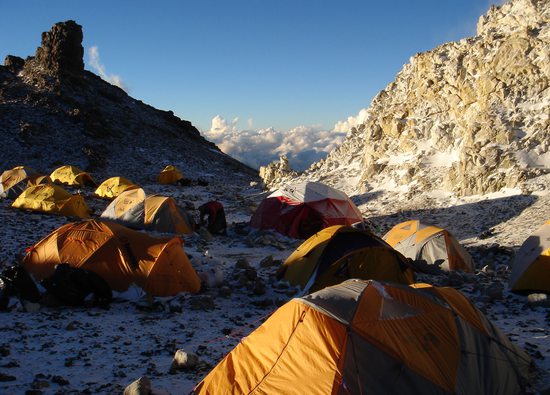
133	208
430	243
340	252
362	337
531	265
169	175
120	255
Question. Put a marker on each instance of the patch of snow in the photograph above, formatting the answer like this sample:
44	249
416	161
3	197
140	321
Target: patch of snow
398	159
103	351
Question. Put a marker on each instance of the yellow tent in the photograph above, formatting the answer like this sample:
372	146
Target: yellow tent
121	256
370	337
114	186
531	267
134	209
169	175
73	176
14	181
52	199
435	245
340	252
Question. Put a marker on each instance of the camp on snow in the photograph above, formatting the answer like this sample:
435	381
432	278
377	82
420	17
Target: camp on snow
14	181
121	256
72	176
169	175
531	265
363	337
302	209
430	243
114	186
134	209
340	252
52	199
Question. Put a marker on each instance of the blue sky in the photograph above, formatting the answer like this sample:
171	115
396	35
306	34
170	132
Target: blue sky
255	65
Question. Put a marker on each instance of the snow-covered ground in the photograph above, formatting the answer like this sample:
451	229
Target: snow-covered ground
91	350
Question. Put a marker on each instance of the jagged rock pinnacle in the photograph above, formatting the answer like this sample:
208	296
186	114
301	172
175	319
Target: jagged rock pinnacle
61	50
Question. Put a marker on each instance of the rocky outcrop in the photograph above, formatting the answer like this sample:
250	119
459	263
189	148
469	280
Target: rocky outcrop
14	63
53	112
277	173
471	117
61	50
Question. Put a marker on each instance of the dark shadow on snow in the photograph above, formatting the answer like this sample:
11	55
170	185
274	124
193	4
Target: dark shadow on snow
464	221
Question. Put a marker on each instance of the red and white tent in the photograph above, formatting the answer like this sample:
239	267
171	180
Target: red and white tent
301	210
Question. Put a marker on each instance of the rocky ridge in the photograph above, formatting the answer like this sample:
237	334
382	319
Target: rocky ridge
469	117
53	112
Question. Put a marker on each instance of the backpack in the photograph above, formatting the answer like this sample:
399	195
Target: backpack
71	286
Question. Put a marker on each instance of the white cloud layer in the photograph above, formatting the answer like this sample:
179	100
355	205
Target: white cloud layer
95	62
303	145
351	122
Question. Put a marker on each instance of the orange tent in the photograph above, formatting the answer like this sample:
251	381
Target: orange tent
340	252
169	175
435	245
120	255
133	208
369	337
531	266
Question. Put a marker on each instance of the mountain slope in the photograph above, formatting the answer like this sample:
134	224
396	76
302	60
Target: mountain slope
470	117
53	112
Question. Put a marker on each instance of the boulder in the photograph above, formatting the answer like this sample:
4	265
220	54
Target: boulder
141	386
211	277
184	360
538	300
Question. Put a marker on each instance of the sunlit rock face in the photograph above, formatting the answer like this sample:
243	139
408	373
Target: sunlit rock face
470	117
277	173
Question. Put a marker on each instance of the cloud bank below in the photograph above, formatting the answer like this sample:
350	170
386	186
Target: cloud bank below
303	145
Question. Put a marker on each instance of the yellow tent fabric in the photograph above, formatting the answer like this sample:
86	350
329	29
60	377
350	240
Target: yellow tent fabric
134	209
433	244
169	175
73	176
11	177
531	265
114	186
41	179
52	199
14	181
340	252
371	337
120	255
